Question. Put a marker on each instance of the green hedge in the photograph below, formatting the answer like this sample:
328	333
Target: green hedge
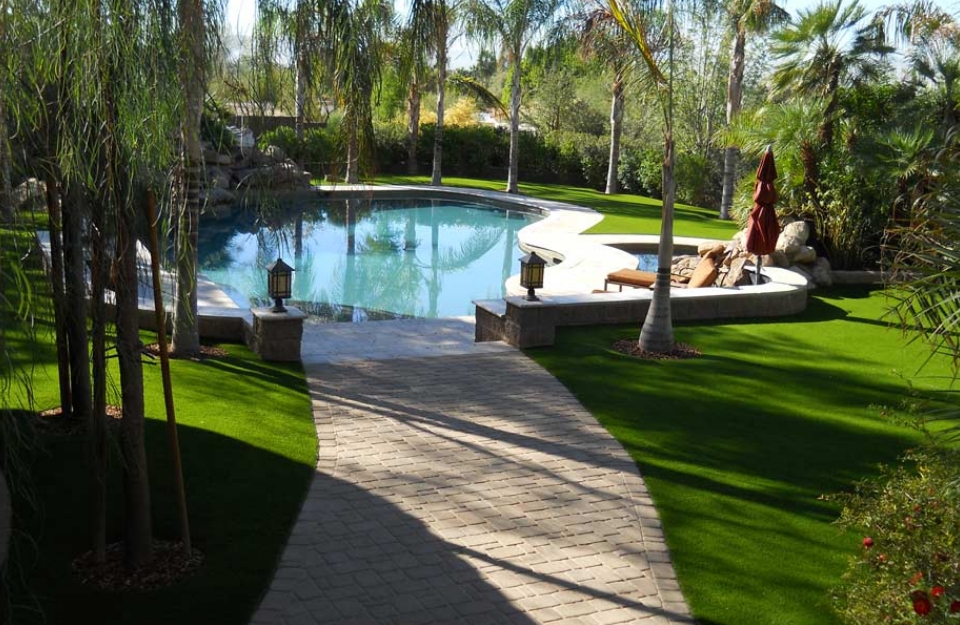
562	157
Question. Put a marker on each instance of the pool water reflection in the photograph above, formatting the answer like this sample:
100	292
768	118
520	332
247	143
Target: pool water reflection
359	259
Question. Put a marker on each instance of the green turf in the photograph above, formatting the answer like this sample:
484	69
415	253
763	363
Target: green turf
249	447
736	446
622	213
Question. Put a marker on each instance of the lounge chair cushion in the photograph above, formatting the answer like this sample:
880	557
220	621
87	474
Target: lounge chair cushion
705	274
632	277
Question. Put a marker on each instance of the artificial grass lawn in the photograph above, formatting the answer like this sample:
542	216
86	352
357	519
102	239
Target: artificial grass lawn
249	447
737	446
622	213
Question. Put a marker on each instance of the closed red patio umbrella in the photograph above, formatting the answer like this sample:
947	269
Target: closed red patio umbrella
763	229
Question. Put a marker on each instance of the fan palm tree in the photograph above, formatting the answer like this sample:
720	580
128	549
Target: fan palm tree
746	17
933	39
514	24
829	46
656	335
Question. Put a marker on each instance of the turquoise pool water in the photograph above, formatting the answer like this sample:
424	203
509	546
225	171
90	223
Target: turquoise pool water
358	259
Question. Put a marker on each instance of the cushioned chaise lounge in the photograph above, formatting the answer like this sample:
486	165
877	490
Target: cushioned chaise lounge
630	277
704	275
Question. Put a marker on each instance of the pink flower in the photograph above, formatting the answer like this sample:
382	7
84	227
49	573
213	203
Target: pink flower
867	542
937	591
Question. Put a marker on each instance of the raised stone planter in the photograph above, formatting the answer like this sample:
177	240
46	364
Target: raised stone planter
276	336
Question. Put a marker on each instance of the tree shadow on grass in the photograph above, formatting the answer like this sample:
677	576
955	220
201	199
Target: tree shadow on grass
242	501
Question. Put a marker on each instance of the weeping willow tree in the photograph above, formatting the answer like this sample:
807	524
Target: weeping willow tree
95	97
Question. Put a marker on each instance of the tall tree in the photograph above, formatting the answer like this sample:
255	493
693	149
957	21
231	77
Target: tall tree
192	28
656	335
932	38
514	24
745	17
357	31
601	37
829	46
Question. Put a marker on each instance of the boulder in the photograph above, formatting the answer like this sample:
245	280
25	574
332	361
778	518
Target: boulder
684	266
821	272
805	255
793	236
712	250
215	196
734	275
275	153
218	178
777	259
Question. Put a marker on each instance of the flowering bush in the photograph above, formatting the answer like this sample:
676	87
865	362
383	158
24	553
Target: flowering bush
908	567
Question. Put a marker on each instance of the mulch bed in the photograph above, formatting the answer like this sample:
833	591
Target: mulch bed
680	351
53	422
205	352
168	566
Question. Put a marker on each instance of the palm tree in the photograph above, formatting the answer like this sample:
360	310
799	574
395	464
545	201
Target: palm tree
656	335
186	333
601	36
746	17
830	46
514	24
356	31
427	34
933	39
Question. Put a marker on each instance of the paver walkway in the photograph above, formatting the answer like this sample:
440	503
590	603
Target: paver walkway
468	488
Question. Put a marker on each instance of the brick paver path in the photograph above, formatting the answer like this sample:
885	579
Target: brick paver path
468	489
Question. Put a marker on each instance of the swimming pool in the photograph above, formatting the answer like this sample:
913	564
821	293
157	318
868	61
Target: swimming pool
358	260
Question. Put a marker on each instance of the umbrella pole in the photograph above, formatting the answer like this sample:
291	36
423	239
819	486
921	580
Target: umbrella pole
756	278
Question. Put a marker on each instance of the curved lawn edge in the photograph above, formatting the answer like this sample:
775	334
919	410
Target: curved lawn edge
738	446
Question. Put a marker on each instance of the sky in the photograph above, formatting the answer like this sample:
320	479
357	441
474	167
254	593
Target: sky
240	16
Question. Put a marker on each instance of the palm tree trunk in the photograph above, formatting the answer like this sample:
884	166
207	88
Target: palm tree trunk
301	92
186	333
353	150
413	127
731	156
616	130
656	335
436	178
515	96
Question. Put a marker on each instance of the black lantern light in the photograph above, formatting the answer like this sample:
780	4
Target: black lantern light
279	282
531	274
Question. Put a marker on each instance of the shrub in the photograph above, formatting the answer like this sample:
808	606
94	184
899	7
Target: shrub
284	138
908	568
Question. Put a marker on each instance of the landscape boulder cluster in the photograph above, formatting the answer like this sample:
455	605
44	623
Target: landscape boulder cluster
728	260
